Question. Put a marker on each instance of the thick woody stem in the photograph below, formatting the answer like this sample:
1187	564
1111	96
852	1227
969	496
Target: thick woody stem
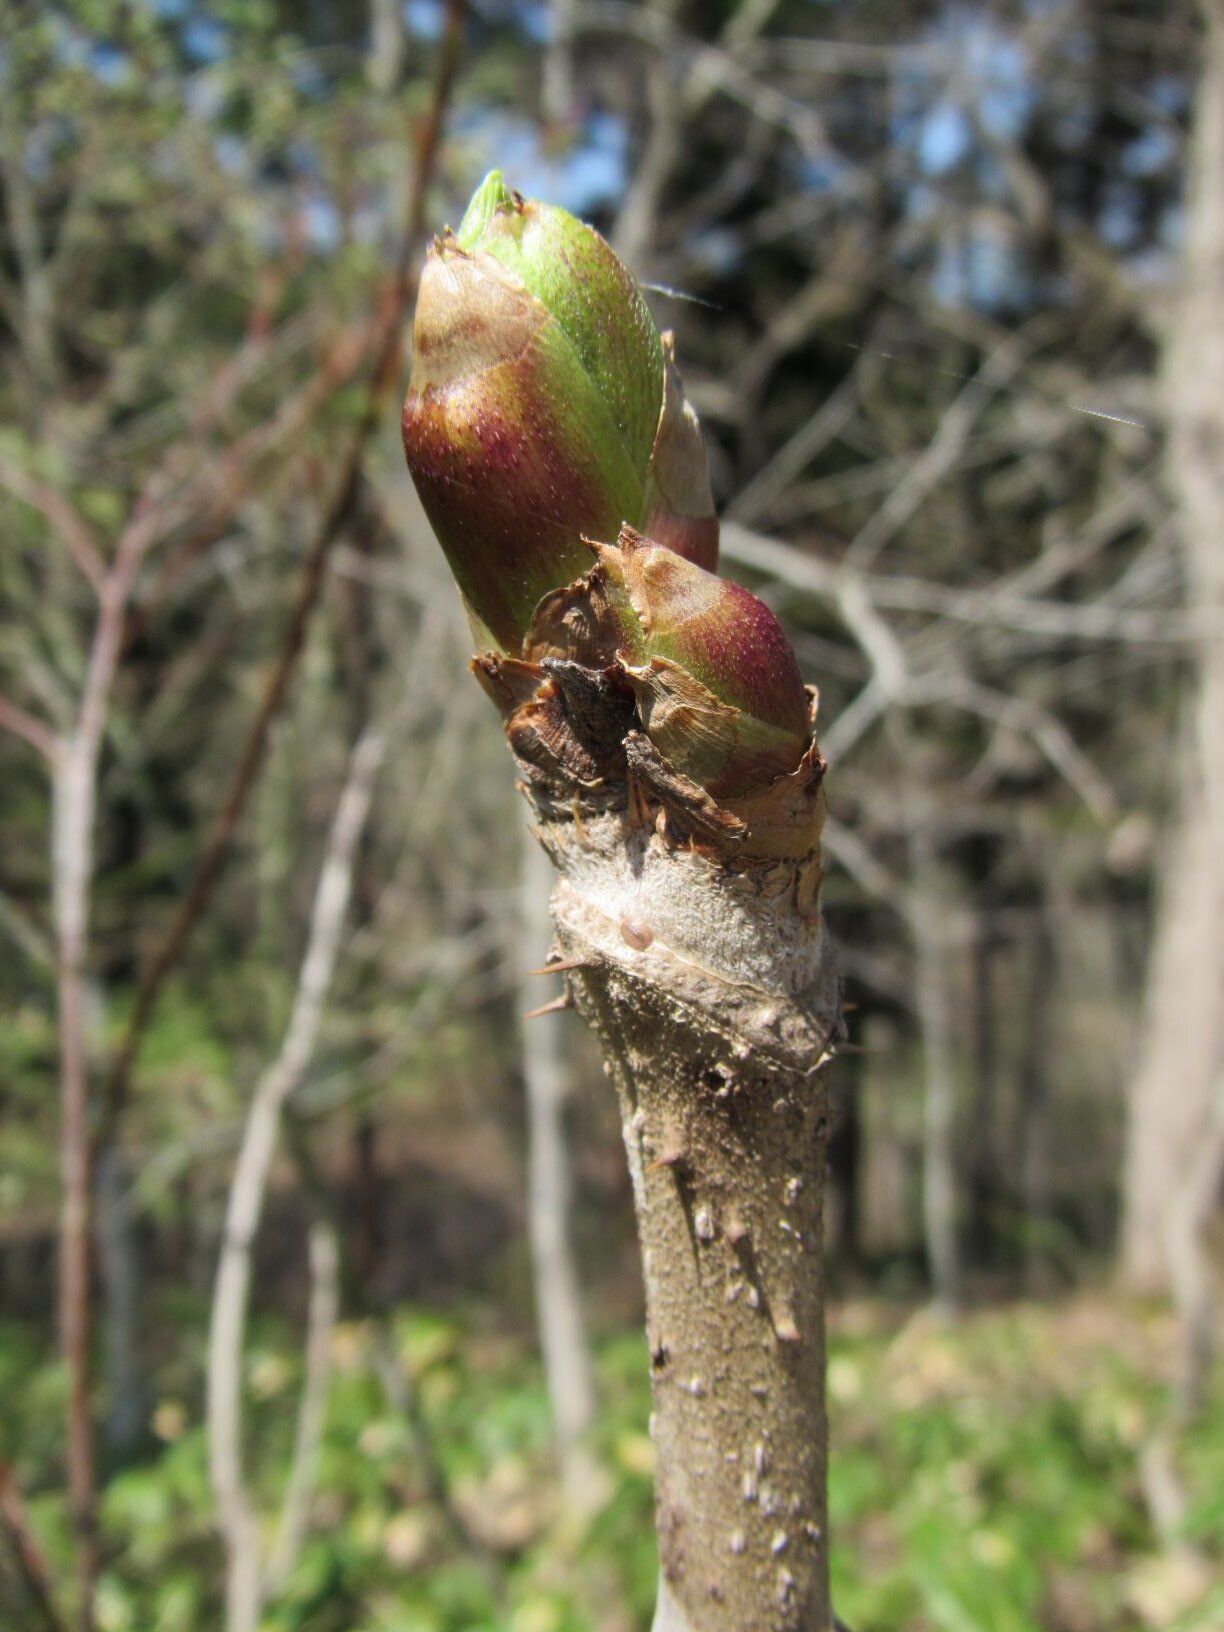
713	994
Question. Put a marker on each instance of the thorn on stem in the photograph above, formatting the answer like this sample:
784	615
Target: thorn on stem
785	1329
560	967
555	1007
670	1158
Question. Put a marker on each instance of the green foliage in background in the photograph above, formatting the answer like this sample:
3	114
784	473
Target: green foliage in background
983	1480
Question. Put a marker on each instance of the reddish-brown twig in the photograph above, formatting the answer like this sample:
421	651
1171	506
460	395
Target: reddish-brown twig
387	326
19	722
27	1555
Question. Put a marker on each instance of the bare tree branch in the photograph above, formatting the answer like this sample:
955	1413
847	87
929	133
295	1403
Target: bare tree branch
74	787
1052	619
20	723
558	101
36	330
636	223
1187	1224
1177	1121
557	1284
220	485
824	425
27	1554
940	454
872	877
303	1472
720	68
61	514
387	349
245	1575
1048	732
933	1002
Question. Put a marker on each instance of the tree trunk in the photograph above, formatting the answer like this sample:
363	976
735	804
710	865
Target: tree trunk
72	868
237	1515
1181	1046
121	1278
1178	1041
558	1297
1191	1269
558	96
1033	1105
388	50
933	1001
985	1168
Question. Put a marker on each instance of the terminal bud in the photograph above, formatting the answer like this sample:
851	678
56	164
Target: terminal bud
543	404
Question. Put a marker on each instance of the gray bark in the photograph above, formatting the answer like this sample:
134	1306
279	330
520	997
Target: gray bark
1177	1043
236	1513
1033	1096
558	95
934	1004
713	994
321	1319
388	54
119	1261
558	1299
1181	1047
1191	1269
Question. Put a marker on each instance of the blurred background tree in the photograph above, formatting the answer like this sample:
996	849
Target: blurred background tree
947	307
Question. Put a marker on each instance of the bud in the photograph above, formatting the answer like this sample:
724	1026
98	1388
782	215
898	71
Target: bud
543	405
718	689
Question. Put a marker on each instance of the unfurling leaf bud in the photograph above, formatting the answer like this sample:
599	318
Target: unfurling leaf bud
718	687
543	405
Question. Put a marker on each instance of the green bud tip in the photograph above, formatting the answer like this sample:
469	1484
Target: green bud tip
491	196
543	405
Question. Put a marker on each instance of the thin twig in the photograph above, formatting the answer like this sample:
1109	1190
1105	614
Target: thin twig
1000	607
19	723
941	453
74	804
321	1318
61	514
26	1552
556	1277
228	479
245	1582
388	325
